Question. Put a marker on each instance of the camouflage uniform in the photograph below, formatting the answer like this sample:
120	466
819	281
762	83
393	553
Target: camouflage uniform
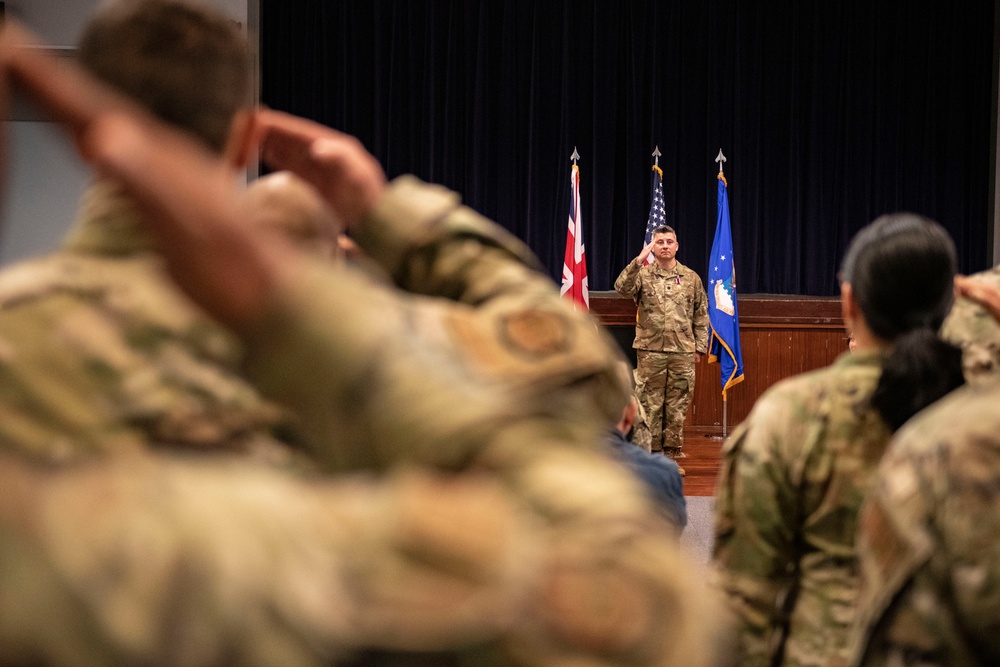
100	352
672	325
486	526
496	328
792	479
970	327
929	540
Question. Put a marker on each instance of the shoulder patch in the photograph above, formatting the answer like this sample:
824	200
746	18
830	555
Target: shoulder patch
535	333
601	610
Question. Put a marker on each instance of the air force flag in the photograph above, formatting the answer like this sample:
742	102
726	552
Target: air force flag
724	346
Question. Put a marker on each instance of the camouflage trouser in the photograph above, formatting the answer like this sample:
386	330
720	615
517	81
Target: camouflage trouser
664	387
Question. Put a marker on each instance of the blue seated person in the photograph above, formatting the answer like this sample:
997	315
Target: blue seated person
659	474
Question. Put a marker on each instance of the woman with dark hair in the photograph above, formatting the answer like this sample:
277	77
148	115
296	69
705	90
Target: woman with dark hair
795	472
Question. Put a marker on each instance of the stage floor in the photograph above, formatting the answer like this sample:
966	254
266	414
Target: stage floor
701	464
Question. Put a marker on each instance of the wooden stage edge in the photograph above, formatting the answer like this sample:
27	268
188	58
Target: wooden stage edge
780	336
755	310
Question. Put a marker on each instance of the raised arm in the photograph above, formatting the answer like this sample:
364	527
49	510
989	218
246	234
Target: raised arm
628	283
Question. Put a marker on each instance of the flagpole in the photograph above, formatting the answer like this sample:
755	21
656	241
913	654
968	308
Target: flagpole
720	158
574	280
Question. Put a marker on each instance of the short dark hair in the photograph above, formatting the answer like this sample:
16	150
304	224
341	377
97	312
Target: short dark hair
187	64
664	229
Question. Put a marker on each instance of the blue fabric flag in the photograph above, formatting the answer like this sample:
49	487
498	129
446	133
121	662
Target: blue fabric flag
724	347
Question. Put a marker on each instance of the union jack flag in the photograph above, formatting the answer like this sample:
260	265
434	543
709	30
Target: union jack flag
574	278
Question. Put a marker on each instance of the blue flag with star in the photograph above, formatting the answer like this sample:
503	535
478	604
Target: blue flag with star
724	346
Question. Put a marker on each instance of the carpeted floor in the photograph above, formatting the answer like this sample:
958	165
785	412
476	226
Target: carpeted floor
697	536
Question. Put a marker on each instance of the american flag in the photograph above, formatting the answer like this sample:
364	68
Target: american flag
657	211
574	278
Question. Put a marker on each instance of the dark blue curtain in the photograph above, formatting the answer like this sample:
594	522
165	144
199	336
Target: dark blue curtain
830	113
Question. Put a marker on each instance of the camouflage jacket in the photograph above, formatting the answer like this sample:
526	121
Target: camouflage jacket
483	528
929	540
352	349
673	307
99	352
971	328
793	477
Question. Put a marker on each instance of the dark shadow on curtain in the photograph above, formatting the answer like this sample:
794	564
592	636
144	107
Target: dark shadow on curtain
830	114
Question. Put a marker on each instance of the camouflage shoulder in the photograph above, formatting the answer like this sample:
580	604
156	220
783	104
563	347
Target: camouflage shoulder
535	339
783	421
543	351
34	278
413	214
686	270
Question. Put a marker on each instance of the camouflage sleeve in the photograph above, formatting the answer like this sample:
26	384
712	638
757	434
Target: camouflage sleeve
699	320
970	327
432	245
753	555
628	282
929	542
377	377
140	561
106	356
435	247
367	368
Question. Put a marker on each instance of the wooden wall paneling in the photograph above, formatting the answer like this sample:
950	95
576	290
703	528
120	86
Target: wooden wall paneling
780	336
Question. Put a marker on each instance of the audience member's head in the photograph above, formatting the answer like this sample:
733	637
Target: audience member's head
286	204
897	279
187	64
631	409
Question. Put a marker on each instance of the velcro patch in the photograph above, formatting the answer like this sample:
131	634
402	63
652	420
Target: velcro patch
535	333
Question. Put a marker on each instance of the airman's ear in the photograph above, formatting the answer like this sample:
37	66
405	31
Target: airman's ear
242	142
628	416
849	309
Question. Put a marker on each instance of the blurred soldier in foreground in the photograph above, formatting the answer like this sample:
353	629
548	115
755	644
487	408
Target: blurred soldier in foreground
971	327
108	356
103	352
929	541
498	536
284	203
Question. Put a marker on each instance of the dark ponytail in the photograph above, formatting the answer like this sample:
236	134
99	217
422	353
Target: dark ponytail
901	268
920	369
